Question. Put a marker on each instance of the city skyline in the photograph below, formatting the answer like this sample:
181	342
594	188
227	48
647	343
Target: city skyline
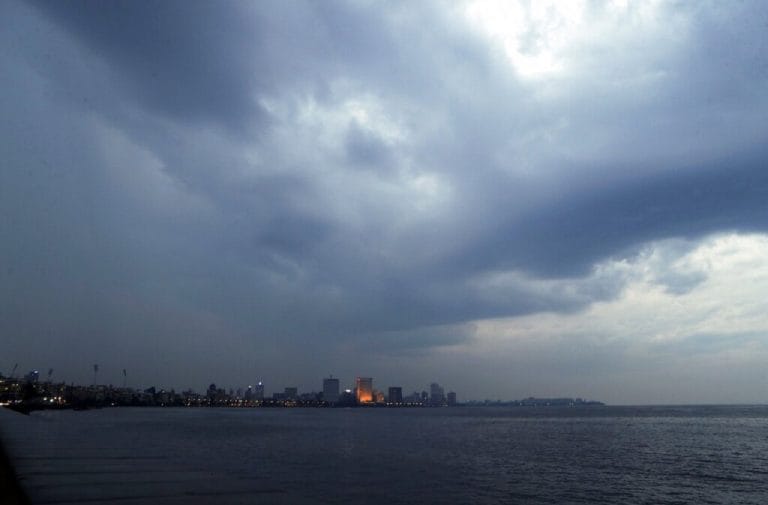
331	387
516	198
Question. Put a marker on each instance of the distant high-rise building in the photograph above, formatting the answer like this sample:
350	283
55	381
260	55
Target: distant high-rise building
291	393
33	376
258	391
249	393
346	398
414	397
395	395
436	394
424	397
331	389
364	389
451	399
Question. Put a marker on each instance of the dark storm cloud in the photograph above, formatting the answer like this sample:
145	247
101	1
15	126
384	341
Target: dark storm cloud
205	61
187	60
195	174
571	234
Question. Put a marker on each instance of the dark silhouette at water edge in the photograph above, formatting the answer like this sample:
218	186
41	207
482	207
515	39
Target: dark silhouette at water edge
11	492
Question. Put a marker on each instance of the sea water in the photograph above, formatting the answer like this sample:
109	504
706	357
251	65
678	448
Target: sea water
654	455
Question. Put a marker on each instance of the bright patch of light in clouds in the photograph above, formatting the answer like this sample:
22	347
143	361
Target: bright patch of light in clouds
533	35
690	325
550	38
714	292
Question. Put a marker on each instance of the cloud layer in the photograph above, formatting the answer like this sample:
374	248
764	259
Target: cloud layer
199	192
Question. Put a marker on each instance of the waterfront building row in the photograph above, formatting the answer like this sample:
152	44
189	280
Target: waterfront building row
34	393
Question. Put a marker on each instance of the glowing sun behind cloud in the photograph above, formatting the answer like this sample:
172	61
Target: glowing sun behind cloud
533	35
545	38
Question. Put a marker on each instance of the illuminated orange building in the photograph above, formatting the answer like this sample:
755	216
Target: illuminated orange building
364	389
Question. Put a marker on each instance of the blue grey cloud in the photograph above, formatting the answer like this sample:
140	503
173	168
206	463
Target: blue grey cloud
569	236
272	180
189	61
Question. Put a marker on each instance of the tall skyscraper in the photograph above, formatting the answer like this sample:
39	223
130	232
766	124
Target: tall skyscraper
364	388
331	389
451	399
291	393
436	394
395	395
258	392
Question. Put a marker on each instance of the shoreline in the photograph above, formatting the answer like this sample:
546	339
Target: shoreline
10	488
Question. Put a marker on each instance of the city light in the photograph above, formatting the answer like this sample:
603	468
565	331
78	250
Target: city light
29	393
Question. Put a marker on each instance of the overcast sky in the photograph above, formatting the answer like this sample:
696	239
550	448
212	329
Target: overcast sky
555	199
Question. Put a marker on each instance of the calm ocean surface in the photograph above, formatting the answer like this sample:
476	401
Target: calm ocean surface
658	455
